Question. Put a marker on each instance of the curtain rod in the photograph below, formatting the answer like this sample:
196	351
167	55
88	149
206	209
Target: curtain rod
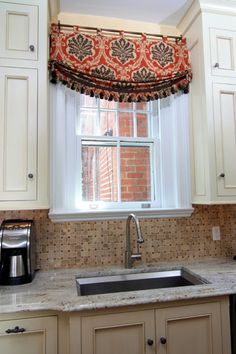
60	25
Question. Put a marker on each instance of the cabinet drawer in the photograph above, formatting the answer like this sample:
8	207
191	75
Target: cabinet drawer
29	336
19	31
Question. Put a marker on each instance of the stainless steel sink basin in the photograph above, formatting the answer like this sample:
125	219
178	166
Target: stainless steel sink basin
136	281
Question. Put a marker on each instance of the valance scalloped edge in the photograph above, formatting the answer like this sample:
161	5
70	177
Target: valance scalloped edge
120	92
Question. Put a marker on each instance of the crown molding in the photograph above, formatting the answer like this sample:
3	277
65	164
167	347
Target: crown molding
219	7
53	9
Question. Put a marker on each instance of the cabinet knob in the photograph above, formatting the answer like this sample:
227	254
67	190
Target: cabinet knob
30	176
163	340
222	175
150	341
15	330
217	65
31	48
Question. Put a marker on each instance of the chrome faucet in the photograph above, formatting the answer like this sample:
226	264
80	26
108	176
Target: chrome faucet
129	256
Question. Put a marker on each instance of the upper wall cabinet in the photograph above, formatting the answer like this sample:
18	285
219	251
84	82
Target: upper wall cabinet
24	104
212	43
224	103
223	52
19	31
18	133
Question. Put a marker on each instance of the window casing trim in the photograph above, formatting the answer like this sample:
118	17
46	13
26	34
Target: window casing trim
174	196
100	215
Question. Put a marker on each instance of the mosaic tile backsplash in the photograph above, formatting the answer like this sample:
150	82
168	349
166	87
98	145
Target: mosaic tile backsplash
102	243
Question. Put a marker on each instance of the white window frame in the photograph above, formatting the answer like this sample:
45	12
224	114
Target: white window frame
151	141
172	176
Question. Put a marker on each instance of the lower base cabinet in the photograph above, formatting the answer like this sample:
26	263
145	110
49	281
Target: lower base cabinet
183	327
37	335
124	333
193	328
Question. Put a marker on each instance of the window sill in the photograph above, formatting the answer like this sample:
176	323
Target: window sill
67	216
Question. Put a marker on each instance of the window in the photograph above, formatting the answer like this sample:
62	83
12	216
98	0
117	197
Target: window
118	145
112	158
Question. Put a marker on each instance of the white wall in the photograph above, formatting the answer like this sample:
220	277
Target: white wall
116	23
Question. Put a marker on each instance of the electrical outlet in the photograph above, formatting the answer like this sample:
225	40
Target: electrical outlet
216	233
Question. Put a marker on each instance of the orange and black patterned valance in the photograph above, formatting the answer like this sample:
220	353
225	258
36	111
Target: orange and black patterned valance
119	67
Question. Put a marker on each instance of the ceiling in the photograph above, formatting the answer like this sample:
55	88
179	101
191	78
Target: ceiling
168	12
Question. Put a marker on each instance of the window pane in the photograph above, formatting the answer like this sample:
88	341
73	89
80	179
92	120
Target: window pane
104	104
125	105
88	122
99	173
142	125
87	101
142	106
126	124
135	174
108	123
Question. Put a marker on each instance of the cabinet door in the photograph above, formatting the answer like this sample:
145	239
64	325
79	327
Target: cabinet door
18	134
194	329
36	336
18	35
225	138
124	333
223	52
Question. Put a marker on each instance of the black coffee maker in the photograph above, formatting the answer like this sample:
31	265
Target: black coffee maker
17	256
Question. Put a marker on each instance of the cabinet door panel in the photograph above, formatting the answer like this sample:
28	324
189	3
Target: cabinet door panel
223	52
18	31
40	336
194	329
225	137
118	333
18	143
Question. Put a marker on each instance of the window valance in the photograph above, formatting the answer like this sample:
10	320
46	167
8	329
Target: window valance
119	67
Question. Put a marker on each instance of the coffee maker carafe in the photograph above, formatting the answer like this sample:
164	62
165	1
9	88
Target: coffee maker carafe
17	256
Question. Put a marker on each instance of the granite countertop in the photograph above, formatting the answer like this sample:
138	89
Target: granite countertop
56	289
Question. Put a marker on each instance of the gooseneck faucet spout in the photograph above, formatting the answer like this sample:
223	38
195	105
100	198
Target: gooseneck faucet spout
129	256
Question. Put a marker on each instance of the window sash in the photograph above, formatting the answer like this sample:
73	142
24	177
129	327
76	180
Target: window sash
151	141
98	110
118	143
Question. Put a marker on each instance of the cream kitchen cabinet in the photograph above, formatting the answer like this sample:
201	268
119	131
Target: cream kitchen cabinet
181	328
37	335
194	329
224	103
125	333
24	105
19	31
18	129
223	52
211	37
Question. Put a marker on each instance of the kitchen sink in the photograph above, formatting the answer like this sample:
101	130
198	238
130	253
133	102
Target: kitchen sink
136	281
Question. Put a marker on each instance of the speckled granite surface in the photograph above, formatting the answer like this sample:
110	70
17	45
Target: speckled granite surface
56	290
